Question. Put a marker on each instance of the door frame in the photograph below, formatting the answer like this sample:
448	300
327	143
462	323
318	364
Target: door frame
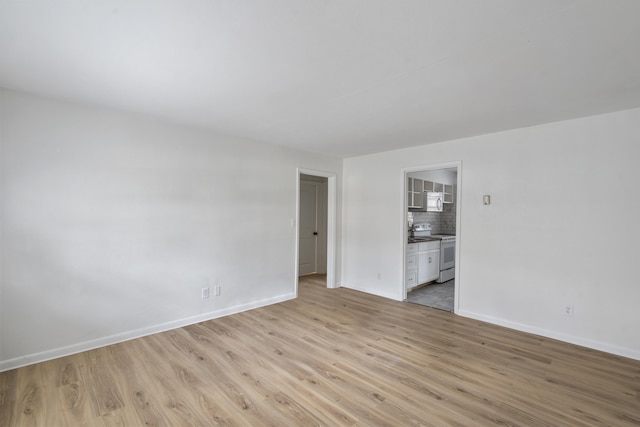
405	232
332	205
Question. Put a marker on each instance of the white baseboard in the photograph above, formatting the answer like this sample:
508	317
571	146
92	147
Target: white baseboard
43	356
394	297
595	345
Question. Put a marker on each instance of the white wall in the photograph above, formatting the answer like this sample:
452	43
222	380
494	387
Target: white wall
562	229
112	223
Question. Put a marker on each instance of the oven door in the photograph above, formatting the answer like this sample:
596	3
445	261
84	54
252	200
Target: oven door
447	255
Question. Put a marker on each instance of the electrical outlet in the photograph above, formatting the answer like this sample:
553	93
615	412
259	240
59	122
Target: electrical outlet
205	293
216	290
568	310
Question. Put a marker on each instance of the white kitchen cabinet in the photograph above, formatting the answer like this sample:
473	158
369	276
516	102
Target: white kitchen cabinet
423	263
412	279
433	186
448	194
445	189
428	261
411	276
415	192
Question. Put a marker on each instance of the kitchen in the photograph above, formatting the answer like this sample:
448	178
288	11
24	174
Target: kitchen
431	237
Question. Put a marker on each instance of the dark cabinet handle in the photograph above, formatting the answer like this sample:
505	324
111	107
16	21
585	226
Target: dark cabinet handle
315	233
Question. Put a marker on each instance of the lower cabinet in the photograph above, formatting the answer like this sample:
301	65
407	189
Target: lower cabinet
423	263
411	276
428	262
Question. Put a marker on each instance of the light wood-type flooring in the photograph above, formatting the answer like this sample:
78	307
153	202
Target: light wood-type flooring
332	357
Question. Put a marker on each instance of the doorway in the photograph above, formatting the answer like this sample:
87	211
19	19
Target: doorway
312	237
439	287
316	225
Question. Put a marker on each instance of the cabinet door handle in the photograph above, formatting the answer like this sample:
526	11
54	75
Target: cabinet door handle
429	260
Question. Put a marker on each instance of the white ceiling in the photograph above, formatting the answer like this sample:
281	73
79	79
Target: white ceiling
333	76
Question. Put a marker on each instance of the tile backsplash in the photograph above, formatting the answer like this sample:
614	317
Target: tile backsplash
441	222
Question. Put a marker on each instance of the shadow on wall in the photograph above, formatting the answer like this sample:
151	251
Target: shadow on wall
87	291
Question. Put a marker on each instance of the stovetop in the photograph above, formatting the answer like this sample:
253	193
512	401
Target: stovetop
446	237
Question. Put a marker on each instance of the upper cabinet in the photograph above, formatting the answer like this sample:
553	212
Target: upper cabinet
445	189
415	192
448	194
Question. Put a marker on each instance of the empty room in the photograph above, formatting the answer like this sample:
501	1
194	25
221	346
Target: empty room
221	213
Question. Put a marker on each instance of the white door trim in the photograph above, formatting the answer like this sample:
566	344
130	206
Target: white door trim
332	204
405	234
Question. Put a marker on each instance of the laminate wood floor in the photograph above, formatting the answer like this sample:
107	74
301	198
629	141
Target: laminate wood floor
332	357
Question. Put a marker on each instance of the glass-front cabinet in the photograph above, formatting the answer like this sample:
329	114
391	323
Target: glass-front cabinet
448	193
445	189
415	192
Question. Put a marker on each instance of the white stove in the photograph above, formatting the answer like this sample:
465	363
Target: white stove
421	229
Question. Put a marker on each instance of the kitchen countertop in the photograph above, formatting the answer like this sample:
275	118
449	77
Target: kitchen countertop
422	239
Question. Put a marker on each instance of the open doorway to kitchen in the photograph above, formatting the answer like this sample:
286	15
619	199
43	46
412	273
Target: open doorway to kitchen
431	220
316	226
